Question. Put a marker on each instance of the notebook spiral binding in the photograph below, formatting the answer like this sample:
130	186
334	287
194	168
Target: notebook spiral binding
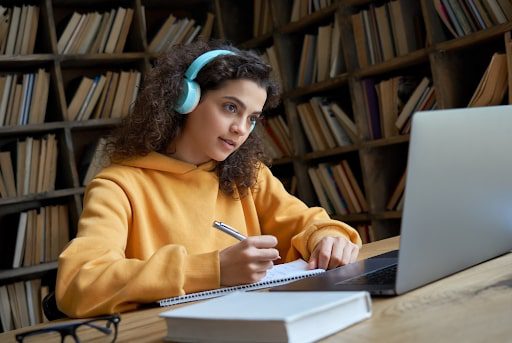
226	290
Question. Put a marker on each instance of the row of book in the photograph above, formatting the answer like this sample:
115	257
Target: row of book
321	57
494	83
23	98
326	125
396	200
96	32
270	55
391	103
337	188
303	8
262	19
42	234
386	31
36	167
93	160
276	137
366	233
20	304
180	31
463	17
18	29
104	96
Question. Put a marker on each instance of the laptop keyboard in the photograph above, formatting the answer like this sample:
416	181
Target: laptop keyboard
379	277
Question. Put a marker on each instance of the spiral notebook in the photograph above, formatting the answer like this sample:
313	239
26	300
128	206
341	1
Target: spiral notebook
279	275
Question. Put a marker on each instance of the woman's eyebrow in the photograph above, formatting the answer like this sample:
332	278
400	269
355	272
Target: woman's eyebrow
239	102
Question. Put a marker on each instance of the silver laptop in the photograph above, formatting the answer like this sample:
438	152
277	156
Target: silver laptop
457	210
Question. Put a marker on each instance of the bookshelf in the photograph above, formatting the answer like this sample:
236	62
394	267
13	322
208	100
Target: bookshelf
377	162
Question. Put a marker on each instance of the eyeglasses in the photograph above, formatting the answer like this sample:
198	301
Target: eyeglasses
100	329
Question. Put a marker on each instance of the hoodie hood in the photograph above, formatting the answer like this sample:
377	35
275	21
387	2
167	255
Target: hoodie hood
160	162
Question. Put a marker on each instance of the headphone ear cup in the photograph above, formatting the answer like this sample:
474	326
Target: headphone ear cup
189	98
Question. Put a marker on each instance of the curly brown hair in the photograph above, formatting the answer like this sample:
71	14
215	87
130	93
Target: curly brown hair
154	123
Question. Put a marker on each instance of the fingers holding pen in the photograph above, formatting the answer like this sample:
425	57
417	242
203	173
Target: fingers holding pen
260	248
248	260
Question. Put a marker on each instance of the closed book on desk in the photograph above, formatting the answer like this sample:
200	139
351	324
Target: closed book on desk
267	317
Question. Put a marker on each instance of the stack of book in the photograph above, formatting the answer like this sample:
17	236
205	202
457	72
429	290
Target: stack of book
42	235
262	22
391	103
396	200
23	98
463	17
493	85
36	167
276	137
20	304
93	161
303	8
385	31
366	233
270	55
321	56
180	31
92	33
337	188
105	96
18	29
326	125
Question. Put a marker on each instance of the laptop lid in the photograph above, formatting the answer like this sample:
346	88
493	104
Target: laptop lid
458	200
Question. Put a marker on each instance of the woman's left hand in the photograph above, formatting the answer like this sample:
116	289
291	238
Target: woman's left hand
332	252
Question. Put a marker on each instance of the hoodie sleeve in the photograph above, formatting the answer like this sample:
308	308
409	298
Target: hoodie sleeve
297	227
94	275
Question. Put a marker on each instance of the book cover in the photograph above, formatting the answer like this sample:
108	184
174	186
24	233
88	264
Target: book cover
268	317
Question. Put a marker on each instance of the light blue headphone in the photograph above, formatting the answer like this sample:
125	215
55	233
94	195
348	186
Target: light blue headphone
191	93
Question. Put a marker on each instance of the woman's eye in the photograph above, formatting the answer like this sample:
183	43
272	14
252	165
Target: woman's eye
230	108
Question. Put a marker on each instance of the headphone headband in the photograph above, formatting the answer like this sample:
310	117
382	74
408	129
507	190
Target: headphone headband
203	60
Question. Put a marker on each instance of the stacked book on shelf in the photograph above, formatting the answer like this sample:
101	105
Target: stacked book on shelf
93	161
262	20
366	233
94	32
463	17
42	235
23	98
396	200
180	31
270	55
276	137
104	96
18	29
493	85
386	31
337	188
303	8
36	167
20	304
391	103
321	57
326	125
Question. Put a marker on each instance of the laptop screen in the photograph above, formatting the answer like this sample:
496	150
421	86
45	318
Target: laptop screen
458	199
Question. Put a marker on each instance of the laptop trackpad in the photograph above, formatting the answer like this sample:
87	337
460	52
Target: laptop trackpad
329	280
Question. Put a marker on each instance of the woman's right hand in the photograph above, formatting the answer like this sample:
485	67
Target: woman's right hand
248	260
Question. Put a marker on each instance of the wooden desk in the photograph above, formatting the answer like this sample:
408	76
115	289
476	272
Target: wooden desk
471	306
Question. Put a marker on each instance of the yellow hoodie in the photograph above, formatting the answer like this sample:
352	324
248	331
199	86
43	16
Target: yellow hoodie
146	233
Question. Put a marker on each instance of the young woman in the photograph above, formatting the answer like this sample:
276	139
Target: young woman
185	157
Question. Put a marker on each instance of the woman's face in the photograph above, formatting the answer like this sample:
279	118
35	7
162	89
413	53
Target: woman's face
221	122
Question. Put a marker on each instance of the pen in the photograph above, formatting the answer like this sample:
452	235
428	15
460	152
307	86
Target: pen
229	230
